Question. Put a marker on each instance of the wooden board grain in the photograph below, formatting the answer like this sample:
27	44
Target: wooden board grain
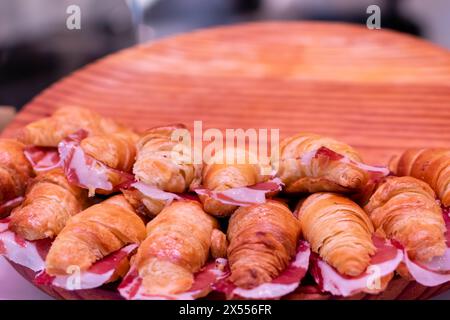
377	90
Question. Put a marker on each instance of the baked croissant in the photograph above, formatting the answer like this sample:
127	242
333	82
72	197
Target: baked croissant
48	132
116	150
178	244
157	165
49	203
429	165
222	174
404	209
93	234
339	231
15	170
302	171
262	240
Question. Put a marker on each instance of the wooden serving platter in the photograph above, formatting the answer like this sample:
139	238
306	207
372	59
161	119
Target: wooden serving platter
377	90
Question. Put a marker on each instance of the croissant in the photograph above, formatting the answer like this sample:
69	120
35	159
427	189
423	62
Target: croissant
178	244
93	234
429	165
49	203
302	170
262	240
48	132
339	231
157	166
222	173
116	150
404	209
15	170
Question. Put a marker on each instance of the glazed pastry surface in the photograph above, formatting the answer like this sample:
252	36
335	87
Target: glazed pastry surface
405	209
49	203
338	230
240	169
15	170
116	150
429	165
178	244
302	172
48	132
262	241
93	234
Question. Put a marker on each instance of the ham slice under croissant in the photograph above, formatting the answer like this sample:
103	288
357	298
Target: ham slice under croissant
158	167
116	150
429	165
302	170
404	209
178	244
93	234
262	241
229	169
15	171
49	203
48	132
339	231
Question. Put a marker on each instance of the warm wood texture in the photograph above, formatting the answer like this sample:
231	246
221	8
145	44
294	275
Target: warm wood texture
377	90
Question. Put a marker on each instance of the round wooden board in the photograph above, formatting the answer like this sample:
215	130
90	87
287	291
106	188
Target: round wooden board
380	91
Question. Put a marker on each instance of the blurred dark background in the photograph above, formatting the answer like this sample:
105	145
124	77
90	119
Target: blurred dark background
36	48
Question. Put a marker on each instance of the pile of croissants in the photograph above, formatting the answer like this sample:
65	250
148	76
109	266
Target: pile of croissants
86	201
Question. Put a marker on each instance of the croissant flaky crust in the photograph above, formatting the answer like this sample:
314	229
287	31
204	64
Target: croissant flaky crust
178	244
116	150
429	165
49	203
157	164
301	171
262	241
15	170
222	173
404	209
338	230
93	234
48	132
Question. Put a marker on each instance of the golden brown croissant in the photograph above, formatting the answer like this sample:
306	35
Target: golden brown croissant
116	150
262	241
15	170
429	165
178	244
303	171
157	166
404	209
339	231
48	132
93	234
220	175
49	203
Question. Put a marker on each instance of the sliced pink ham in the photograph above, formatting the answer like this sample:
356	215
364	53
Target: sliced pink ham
7	206
244	196
155	193
85	171
285	283
30	254
383	262
326	153
42	158
96	276
131	287
436	271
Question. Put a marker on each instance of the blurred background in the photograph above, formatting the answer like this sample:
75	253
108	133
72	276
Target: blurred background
36	48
